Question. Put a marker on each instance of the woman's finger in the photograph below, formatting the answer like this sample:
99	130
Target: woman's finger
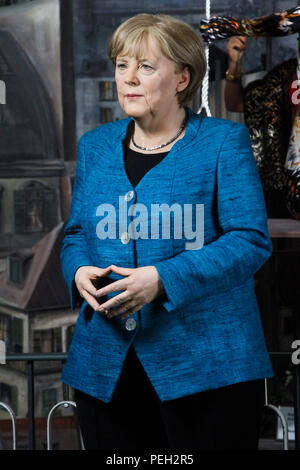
90	300
128	306
101	271
88	286
132	311
87	277
119	285
122	271
115	301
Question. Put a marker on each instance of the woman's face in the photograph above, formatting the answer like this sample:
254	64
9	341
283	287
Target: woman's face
148	86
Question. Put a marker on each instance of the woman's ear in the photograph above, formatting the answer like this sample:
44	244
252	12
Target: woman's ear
183	79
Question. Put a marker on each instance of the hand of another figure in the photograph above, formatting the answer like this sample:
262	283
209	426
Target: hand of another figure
236	48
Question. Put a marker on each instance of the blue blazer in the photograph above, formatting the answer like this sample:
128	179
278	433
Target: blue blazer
206	332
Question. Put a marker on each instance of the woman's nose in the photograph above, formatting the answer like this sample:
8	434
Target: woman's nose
131	76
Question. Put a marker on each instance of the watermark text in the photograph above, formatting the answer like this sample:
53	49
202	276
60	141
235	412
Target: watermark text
296	354
187	222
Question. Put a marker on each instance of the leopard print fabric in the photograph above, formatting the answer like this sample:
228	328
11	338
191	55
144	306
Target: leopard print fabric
268	115
292	195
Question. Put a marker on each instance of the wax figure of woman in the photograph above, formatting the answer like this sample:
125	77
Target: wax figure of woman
168	350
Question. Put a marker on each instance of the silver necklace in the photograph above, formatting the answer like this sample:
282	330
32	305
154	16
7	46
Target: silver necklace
166	143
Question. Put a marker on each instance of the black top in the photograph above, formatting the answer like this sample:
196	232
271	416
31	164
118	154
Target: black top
137	163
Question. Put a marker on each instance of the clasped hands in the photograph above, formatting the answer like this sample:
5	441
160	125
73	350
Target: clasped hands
139	286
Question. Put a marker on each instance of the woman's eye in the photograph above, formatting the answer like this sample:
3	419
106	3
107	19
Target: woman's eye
146	67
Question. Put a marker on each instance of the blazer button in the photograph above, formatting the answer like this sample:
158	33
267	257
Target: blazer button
125	237
130	324
128	196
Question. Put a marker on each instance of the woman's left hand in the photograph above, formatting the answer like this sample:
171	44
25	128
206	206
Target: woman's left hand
140	286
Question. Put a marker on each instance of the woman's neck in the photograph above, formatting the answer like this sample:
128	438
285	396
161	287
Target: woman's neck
157	133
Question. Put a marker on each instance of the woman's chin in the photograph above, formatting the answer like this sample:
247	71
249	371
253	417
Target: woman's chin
134	109
134	112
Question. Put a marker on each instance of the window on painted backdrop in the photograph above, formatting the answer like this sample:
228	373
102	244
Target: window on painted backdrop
35	208
9	395
105	115
107	91
11	332
47	341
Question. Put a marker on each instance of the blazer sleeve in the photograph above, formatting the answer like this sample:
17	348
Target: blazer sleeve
74	251
244	244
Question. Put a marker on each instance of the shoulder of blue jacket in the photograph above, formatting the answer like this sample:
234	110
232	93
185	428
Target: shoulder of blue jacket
109	130
222	127
222	123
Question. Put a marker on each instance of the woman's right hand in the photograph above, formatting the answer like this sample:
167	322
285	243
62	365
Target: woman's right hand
236	48
84	277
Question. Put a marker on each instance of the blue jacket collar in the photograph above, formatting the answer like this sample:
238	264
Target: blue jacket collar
192	128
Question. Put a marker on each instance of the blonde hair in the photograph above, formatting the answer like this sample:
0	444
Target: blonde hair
178	41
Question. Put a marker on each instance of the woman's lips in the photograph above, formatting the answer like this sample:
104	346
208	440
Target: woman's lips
133	96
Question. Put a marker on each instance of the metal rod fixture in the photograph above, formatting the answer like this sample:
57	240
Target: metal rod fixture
14	423
65	404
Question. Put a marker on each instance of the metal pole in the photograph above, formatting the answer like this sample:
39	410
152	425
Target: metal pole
30	391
